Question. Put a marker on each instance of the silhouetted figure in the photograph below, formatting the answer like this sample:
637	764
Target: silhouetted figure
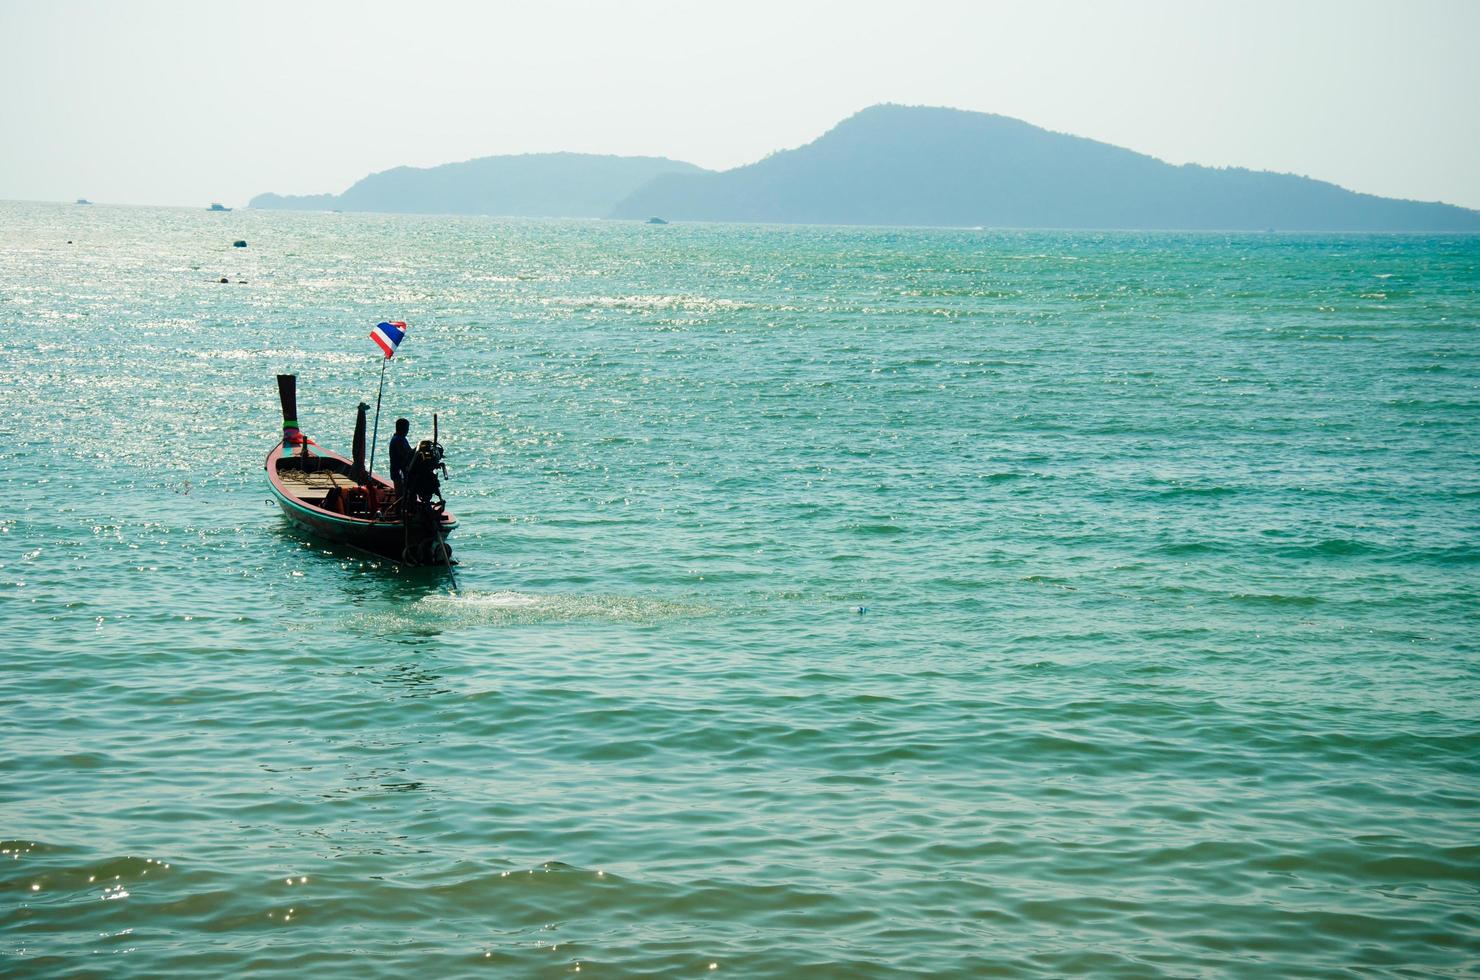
401	456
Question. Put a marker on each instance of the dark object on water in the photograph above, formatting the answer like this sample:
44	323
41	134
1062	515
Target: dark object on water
218	207
83	200
335	498
656	221
224	279
239	243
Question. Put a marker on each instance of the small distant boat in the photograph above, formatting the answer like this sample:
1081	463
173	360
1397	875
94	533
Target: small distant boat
218	207
339	500
83	200
656	221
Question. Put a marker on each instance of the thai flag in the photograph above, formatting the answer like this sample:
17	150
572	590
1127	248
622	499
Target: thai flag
388	336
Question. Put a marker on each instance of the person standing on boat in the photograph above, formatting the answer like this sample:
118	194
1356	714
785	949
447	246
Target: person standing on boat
401	456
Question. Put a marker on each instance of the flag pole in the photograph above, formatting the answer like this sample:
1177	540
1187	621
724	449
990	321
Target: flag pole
376	433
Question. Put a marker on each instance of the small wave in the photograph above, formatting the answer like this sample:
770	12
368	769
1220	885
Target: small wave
877	528
1275	599
1328	548
1456	555
1191	548
687	303
1183	490
277	356
61	874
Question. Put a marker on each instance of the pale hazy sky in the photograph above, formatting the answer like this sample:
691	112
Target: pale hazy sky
192	102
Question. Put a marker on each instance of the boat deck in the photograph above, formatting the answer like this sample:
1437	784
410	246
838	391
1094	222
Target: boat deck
312	486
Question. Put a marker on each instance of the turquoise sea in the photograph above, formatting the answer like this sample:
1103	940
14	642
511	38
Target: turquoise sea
837	602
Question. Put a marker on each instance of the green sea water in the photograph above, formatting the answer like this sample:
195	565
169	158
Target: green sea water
836	603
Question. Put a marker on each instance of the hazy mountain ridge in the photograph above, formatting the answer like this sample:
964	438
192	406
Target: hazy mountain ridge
546	185
899	165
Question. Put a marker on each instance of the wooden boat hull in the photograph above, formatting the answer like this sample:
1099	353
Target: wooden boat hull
300	484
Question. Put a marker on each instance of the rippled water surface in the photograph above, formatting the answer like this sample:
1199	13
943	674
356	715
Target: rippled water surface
836	603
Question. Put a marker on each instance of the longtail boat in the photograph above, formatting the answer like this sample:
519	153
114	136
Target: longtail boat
340	500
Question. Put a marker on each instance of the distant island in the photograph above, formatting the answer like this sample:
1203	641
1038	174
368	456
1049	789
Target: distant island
899	165
536	185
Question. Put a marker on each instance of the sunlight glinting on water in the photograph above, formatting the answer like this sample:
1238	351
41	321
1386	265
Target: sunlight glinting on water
838	601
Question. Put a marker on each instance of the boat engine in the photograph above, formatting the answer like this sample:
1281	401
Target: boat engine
423	507
422	484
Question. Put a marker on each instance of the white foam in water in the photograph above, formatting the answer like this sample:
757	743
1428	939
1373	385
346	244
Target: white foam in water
501	600
523	607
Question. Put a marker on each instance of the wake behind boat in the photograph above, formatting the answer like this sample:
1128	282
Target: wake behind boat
340	500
